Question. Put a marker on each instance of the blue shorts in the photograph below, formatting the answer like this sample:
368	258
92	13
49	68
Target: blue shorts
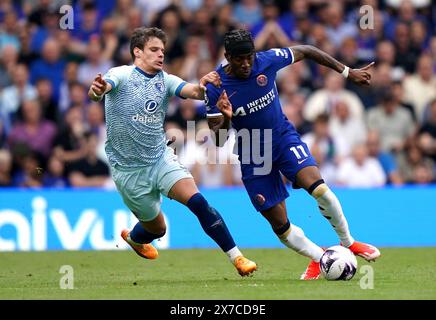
289	157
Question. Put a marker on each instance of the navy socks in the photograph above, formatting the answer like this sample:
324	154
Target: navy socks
211	222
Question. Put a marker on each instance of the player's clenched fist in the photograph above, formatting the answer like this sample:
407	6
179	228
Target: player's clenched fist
212	77
362	75
224	105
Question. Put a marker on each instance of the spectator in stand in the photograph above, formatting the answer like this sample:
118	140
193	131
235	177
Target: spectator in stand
224	23
69	145
170	21
405	56
423	174
45	98
290	21
29	173
3	136
337	29
86	22
13	96
385	53
186	67
406	13
48	29
398	94
89	171
347	53
37	132
70	77
78	96
412	163
9	31
97	126
50	66
420	88
323	100
54	175
332	149
427	133
326	167
110	40
268	32
97	59
121	14
392	121
419	35
5	168
8	63
38	12
360	170
293	106
247	13
386	159
202	26
342	125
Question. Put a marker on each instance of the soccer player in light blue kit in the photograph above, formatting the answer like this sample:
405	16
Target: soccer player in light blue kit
248	99
142	164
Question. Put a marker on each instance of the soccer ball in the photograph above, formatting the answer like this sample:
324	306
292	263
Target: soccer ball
338	263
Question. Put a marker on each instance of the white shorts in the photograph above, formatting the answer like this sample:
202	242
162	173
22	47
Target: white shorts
141	187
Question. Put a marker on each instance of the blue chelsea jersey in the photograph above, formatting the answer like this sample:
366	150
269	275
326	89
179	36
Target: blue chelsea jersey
255	100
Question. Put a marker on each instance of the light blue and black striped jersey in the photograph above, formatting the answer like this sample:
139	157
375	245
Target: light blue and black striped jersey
135	111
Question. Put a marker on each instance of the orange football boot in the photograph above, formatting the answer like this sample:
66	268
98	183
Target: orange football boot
312	271
244	266
146	250
366	251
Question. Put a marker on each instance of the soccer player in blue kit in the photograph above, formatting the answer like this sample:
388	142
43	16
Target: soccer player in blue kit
248	100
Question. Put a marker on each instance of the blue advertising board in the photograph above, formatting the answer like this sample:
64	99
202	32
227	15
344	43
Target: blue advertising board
89	219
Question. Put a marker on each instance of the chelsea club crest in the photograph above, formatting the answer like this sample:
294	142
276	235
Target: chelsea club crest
262	80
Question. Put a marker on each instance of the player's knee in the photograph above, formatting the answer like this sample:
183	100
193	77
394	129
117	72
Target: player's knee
208	216
282	228
318	188
197	202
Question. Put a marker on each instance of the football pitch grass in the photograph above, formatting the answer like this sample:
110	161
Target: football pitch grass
201	274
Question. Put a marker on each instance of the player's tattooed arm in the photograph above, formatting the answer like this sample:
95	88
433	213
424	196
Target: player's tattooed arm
219	126
359	76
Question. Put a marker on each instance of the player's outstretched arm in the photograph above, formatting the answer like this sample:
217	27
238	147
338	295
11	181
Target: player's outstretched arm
196	91
99	88
359	76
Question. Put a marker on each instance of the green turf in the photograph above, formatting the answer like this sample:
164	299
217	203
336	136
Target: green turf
406	273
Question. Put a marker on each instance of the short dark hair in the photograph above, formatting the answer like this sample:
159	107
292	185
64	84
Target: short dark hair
141	35
238	41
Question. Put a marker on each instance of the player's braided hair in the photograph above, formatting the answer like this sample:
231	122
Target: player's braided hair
141	35
238	42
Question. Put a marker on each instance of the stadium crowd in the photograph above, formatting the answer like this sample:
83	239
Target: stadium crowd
52	135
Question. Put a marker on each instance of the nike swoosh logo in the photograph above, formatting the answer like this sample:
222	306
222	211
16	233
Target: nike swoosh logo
301	161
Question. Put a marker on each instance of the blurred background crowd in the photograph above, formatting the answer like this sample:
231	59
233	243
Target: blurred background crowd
52	135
